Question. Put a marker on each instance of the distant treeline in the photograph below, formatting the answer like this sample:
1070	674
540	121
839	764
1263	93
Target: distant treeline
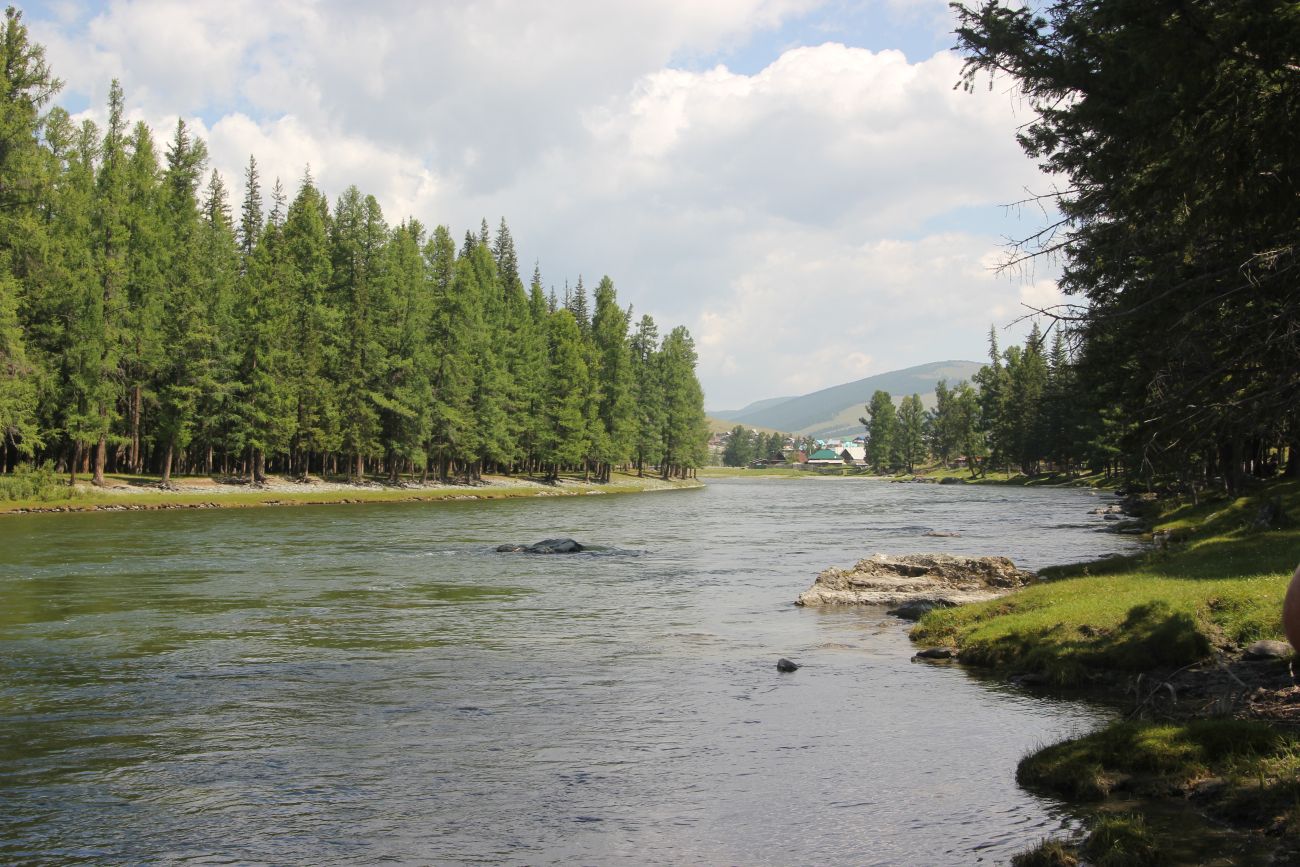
144	326
745	446
1021	413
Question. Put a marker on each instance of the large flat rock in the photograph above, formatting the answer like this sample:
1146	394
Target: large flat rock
939	578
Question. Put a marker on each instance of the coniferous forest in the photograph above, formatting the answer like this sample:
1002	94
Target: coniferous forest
150	322
1169	130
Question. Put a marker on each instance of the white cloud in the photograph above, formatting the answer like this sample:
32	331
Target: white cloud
837	312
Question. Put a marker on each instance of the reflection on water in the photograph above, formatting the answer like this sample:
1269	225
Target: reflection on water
356	684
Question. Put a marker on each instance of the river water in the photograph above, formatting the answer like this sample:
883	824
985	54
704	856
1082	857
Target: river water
370	684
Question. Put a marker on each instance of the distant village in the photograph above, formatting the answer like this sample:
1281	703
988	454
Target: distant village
755	449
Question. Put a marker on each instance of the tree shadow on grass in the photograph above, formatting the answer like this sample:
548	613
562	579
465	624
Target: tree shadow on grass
1152	636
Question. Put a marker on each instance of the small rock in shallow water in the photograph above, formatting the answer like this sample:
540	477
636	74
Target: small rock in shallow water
785	665
917	608
935	653
546	546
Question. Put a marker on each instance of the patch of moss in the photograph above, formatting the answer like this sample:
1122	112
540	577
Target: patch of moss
1241	770
1121	840
1048	853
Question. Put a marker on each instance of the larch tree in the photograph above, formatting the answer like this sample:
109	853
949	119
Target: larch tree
313	322
910	438
451	416
648	394
615	411
684	426
267	408
189	335
564	442
882	426
26	85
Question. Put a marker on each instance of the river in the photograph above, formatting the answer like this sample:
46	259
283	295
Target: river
367	684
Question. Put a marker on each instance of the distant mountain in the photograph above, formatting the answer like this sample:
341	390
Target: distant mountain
766	403
834	411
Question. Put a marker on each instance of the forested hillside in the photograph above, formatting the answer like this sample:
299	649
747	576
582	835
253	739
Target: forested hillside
147	324
834	411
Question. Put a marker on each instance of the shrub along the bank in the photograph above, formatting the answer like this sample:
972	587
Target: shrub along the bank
33	483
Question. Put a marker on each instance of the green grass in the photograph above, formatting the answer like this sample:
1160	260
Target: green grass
1219	586
1151	757
1000	477
1122	840
1242	770
1048	853
744	473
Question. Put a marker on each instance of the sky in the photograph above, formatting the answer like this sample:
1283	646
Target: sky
798	182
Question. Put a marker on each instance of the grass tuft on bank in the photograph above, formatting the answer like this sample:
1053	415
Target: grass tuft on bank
1242	771
1218	585
1047	853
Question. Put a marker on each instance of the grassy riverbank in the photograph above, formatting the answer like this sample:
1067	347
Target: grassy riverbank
132	493
930	473
745	473
954	475
1162	632
1215	586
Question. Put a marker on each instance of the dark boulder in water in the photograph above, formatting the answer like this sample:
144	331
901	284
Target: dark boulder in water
915	609
546	546
786	666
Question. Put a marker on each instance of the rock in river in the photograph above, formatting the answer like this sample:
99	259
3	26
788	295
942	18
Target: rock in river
1268	650
546	546
938	579
915	609
786	666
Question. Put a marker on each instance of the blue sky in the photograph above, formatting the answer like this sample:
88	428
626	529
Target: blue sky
795	181
918	30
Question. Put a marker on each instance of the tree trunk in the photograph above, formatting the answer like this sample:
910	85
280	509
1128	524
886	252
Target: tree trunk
101	457
167	466
259	467
136	401
1230	466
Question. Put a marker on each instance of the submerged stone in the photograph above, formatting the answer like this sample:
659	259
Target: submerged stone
546	546
785	665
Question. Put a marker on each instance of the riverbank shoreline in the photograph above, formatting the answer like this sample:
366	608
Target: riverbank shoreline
134	493
930	475
1183	637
